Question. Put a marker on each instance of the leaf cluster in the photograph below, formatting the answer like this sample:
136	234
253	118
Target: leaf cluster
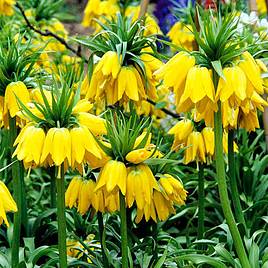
17	59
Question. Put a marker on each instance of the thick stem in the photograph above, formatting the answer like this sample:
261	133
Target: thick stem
201	203
61	219
17	173
101	232
224	199
123	228
233	180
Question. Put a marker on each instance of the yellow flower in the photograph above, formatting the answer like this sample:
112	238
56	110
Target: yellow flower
234	87
91	10
7	7
7	203
141	138
82	141
229	116
82	106
112	82
113	177
128	83
36	96
195	150
94	123
30	143
82	195
162	206
175	71
261	4
73	191
86	195
150	24
111	201
173	189
76	249
96	162
15	91
199	91
96	8
57	145
181	35
252	71
140	185
139	155
181	131
249	121
209	140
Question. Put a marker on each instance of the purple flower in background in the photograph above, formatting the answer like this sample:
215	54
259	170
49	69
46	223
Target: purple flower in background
163	12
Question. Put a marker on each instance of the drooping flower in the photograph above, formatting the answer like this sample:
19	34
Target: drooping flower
173	189
199	92
175	71
7	203
181	35
150	24
83	194
252	72
233	87
125	74
15	91
195	150
209	140
57	135
113	177
140	185
30	142
97	8
181	131
169	193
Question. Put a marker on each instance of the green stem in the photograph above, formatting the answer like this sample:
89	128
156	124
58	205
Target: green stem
233	180
101	232
53	201
223	192
61	219
123	228
201	203
17	173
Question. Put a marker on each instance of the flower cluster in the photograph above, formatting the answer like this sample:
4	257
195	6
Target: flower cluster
127	173
125	69
191	76
108	9
59	131
199	146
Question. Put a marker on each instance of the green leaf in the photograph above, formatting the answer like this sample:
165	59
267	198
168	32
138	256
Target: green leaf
254	256
200	259
218	68
161	261
225	254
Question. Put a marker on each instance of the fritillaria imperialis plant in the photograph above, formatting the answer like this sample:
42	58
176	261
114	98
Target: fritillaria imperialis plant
222	75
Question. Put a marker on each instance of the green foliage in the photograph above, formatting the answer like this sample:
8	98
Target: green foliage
17	62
